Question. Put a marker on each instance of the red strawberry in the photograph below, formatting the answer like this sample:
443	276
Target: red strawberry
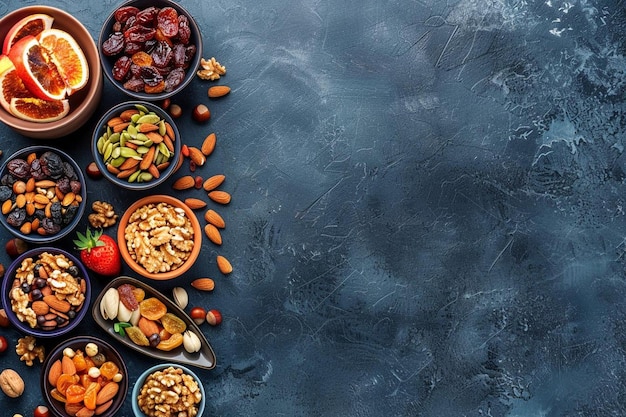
99	253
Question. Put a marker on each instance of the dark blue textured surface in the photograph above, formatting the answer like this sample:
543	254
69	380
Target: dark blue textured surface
428	207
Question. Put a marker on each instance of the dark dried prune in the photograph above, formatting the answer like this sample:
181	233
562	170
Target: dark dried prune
162	54
114	44
121	67
16	217
75	186
7	179
151	76
139	33
51	164
123	13
5	192
63	184
174	78
36	171
68	171
39	214
69	213
167	21
134	84
19	168
179	55
132	48
147	16
184	32
50	226
56	212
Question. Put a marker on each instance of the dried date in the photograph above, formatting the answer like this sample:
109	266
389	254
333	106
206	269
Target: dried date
18	168
114	44
124	13
167	21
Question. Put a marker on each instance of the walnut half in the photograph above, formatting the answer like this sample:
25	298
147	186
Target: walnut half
103	215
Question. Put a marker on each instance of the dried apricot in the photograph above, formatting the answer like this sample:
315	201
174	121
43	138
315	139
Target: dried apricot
109	369
136	335
79	361
91	393
152	308
140	294
64	381
173	342
173	324
54	393
141	58
74	393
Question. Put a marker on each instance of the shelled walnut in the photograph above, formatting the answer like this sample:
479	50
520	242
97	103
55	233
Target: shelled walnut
29	351
103	215
210	69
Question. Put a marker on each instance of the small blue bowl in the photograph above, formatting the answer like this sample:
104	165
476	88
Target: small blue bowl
142	378
7	181
7	285
101	129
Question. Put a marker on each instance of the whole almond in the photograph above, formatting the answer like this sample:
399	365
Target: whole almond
213	234
218	91
208	144
203	284
224	265
213	182
67	366
184	183
221	197
196	156
55	372
59	305
107	392
195	203
215	219
148	327
40	308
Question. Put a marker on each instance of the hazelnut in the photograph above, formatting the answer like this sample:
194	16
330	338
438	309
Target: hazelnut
175	111
201	113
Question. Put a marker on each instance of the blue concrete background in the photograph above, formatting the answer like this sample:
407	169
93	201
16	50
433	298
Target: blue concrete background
428	207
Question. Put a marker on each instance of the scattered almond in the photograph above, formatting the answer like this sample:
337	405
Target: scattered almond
208	144
224	265
221	197
213	234
218	91
184	183
215	219
195	203
196	156
213	182
203	284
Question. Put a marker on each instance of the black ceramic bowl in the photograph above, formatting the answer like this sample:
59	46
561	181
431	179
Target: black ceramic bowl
75	344
70	319
103	134
108	59
65	214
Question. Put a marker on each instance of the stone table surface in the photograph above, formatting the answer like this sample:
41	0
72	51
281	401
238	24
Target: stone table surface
428	213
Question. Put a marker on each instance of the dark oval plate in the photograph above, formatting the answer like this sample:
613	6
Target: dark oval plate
205	358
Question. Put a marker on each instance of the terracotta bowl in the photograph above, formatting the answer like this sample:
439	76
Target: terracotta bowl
75	344
108	61
84	102
138	268
135	182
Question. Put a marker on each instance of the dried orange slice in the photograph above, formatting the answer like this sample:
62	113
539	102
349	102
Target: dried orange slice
11	85
68	57
38	110
29	25
36	69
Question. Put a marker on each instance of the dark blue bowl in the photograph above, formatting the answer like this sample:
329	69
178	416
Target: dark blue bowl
33	236
101	128
7	285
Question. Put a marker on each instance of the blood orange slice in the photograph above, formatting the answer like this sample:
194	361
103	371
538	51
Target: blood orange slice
68	57
29	25
38	110
36	69
11	85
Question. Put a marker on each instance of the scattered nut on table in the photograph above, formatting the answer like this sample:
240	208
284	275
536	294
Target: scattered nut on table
103	215
11	383
29	351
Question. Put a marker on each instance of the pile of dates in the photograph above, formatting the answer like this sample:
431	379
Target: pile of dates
153	47
40	193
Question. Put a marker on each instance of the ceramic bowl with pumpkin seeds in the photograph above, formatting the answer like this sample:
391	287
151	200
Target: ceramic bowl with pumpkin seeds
136	145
